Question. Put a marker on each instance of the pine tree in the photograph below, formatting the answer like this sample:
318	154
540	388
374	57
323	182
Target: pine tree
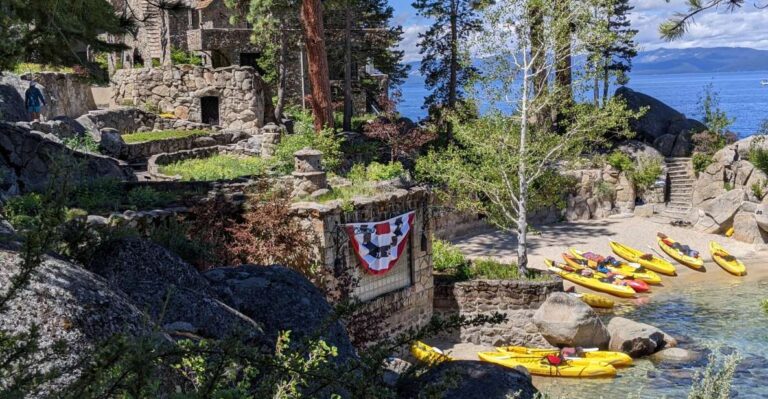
50	31
445	68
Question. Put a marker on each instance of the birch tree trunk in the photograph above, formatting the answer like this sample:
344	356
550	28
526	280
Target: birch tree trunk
314	34
522	201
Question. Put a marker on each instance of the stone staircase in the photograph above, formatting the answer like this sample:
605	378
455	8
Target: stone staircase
152	22
681	180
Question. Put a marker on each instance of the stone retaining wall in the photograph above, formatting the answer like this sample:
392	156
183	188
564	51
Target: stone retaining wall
155	162
406	307
179	89
65	94
131	120
517	299
138	151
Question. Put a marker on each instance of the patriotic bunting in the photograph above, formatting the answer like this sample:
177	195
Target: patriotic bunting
378	245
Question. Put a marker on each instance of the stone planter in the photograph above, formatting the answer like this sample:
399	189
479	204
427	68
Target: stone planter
155	162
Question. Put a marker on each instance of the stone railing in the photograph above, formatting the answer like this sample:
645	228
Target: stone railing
517	299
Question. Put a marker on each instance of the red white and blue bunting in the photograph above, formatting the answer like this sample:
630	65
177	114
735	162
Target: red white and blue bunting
378	245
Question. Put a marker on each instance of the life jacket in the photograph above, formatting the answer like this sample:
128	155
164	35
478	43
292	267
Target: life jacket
554	360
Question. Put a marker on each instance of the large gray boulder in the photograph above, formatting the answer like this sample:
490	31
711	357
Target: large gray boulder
637	339
280	299
28	160
639	150
564	320
12	90
723	207
746	228
657	118
466	379
70	306
170	291
111	142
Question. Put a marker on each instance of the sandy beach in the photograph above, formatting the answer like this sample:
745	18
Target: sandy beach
551	240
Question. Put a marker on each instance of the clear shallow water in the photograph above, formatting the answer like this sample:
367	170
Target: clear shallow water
741	95
724	315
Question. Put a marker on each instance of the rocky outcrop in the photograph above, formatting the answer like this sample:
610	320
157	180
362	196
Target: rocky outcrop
29	159
746	228
465	379
280	299
668	130
637	339
170	291
676	355
564	320
69	306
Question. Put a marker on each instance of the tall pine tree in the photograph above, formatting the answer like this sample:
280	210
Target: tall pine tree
443	65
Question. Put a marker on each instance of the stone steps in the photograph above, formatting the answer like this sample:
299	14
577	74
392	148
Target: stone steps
681	189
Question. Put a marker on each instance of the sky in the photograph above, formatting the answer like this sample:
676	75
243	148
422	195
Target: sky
745	27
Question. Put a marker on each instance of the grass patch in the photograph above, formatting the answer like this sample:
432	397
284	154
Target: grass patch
163	135
346	193
30	67
376	172
222	166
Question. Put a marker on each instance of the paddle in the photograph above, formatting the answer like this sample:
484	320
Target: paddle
657	253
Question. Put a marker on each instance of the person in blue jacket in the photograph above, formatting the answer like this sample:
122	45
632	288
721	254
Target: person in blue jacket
34	100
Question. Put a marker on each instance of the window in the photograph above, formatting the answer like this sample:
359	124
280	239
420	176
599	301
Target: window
400	276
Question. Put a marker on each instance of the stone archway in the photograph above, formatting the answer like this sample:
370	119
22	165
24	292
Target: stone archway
209	110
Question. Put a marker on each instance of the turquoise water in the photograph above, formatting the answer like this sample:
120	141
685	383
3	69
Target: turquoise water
721	314
741	95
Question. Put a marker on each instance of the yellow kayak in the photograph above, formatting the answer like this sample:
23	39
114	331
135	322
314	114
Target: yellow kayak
428	354
615	359
596	301
648	261
539	365
694	263
623	268
589	282
725	260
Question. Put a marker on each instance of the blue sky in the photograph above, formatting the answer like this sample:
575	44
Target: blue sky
746	27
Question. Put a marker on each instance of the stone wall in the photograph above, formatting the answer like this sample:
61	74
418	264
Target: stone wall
65	95
179	89
451	223
517	299
406	307
138	151
28	160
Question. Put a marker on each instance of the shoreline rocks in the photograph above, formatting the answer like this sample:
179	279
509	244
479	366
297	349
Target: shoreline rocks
564	320
637	339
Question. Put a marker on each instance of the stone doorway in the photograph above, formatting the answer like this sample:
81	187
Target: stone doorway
209	110
219	60
251	60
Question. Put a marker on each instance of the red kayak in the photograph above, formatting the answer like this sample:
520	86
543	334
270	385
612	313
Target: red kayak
581	264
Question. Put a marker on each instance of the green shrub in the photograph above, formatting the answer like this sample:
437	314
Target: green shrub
728	186
757	189
84	143
604	189
22	211
645	173
491	269
175	237
715	380
375	172
140	137
701	161
98	195
620	161
764	305
217	167
152	108
347	193
325	141
446	257
759	157
181	57
147	197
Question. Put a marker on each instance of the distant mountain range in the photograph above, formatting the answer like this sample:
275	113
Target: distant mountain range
690	60
700	59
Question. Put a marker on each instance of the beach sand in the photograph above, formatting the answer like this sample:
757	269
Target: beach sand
593	235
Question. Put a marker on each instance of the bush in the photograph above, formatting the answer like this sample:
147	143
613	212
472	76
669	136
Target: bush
147	197
217	167
446	257
645	173
709	143
715	382
84	143
325	141
175	237
98	195
604	189
759	157
181	57
22	211
701	161
620	161
375	172
764	305
757	189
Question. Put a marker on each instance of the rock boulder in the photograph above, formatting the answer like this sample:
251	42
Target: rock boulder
172	292
470	380
676	355
637	339
747	229
656	120
280	299
723	207
564	320
111	142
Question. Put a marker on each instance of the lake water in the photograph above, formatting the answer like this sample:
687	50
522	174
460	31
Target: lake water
716	312
741	95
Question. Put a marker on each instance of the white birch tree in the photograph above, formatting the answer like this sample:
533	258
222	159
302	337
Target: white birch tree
506	163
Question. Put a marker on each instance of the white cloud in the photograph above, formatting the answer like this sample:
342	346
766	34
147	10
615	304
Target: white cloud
410	41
